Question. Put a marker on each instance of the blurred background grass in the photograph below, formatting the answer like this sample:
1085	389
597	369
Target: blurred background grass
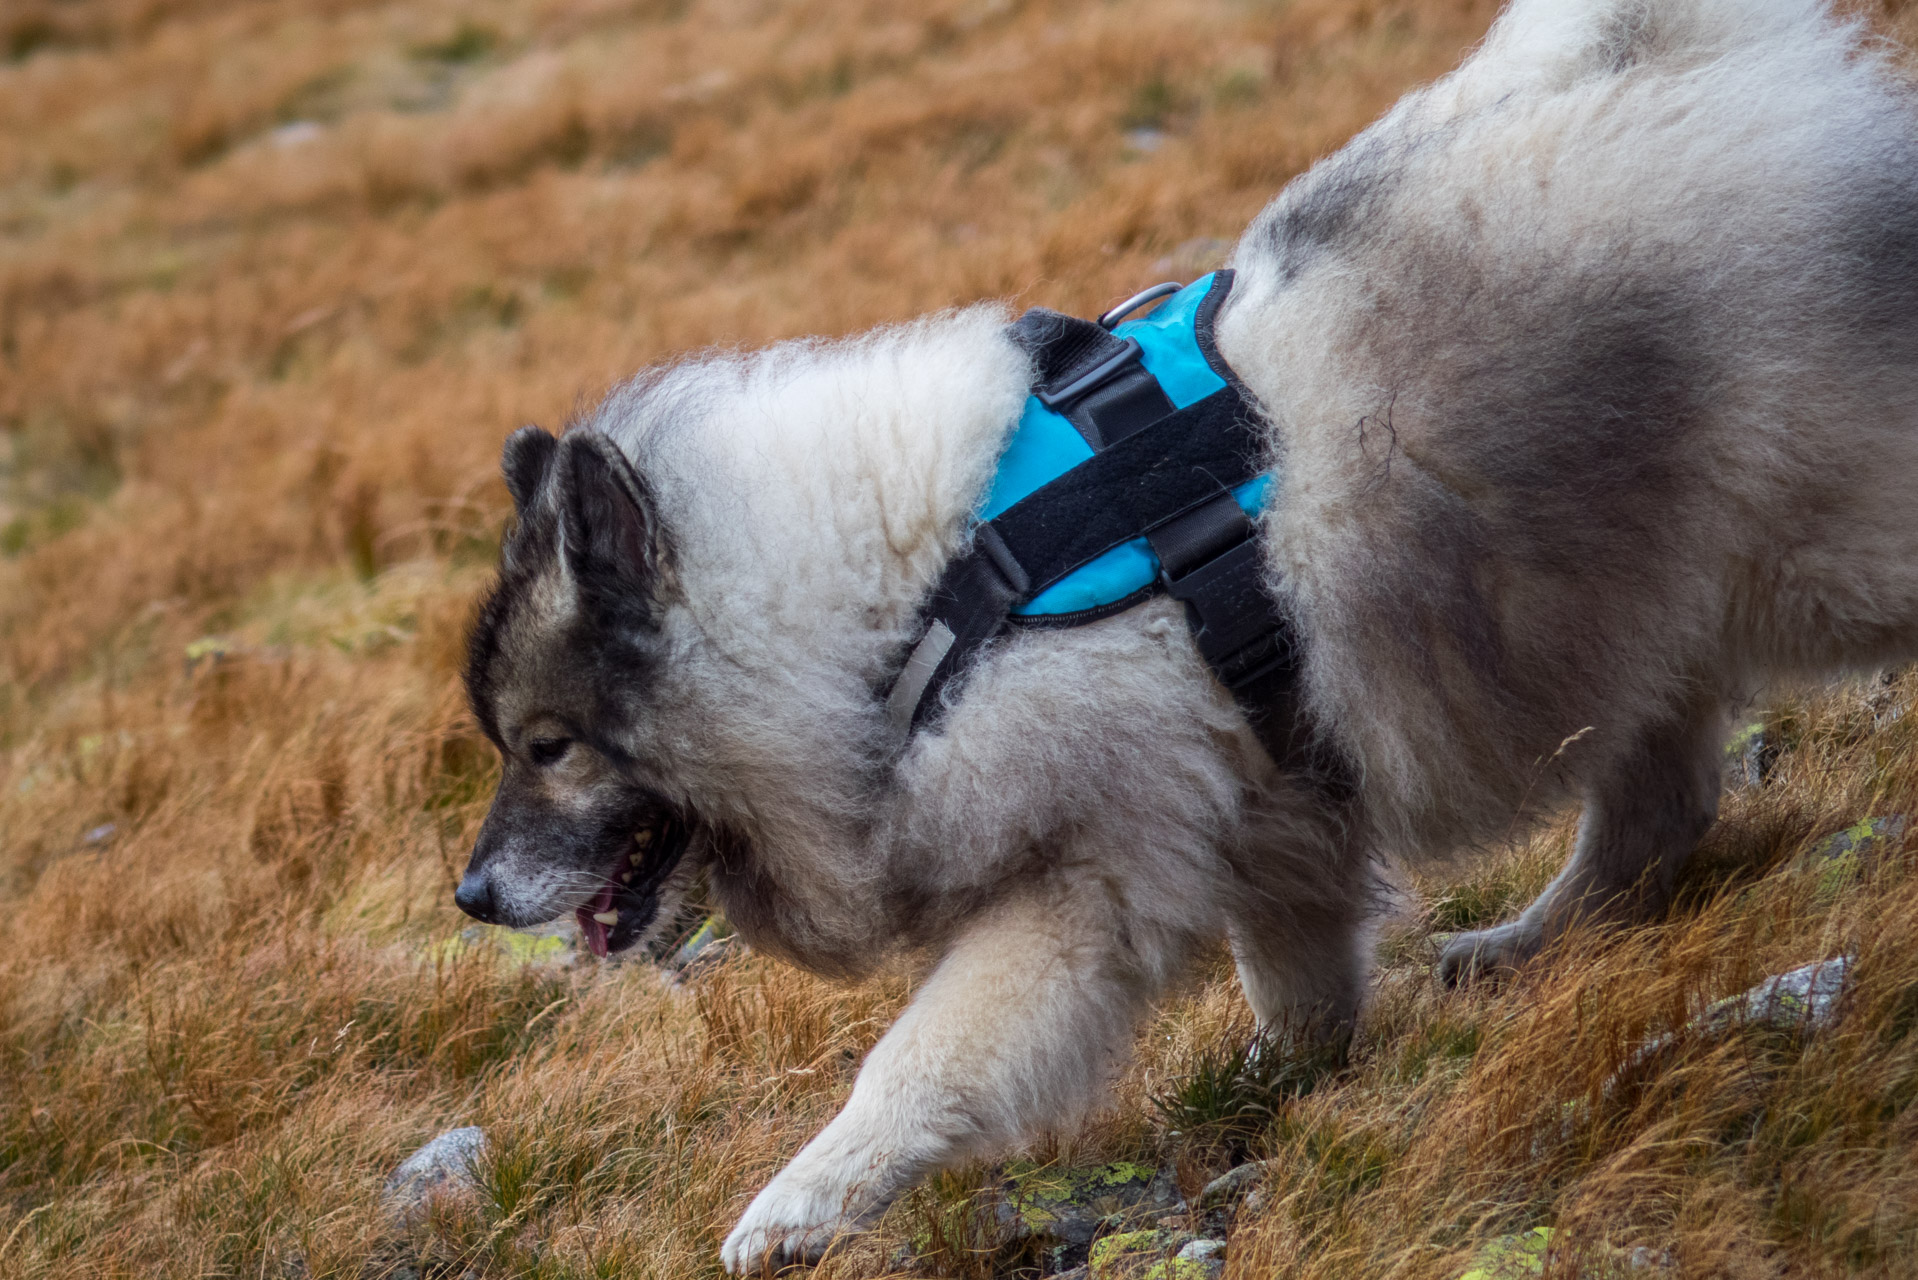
278	276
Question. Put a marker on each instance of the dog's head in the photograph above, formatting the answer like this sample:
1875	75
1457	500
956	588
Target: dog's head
560	671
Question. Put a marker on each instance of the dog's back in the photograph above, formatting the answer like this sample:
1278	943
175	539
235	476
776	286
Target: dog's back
1592	367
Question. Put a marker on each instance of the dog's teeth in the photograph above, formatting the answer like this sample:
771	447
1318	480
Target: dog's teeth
643	838
606	917
625	877
636	858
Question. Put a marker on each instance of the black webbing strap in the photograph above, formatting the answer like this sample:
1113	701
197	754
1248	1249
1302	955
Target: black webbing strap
1158	471
1178	463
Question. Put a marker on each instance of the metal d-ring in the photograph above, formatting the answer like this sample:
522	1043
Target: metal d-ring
1138	300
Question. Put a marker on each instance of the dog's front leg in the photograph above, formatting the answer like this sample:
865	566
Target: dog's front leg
1017	1027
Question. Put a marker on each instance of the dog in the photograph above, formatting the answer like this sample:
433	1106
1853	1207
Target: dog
1589	385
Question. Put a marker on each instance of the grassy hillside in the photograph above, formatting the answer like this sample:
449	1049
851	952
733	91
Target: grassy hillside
278	276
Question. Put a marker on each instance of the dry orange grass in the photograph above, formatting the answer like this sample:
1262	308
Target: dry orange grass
277	276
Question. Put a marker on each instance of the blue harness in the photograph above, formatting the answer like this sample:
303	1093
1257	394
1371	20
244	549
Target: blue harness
1137	467
1045	445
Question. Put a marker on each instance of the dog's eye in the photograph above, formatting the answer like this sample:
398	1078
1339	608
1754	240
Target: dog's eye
547	750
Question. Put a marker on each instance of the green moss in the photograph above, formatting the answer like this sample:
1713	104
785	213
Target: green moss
1178	1269
1511	1257
1140	1254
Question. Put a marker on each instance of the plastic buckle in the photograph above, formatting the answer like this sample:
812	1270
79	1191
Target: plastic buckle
1098	376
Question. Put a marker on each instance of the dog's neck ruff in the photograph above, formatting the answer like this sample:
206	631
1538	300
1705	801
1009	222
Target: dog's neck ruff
1136	467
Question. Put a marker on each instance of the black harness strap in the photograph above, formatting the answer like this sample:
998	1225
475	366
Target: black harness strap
1162	472
1175	465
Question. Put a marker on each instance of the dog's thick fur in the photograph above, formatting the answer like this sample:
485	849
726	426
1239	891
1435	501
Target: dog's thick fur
1592	380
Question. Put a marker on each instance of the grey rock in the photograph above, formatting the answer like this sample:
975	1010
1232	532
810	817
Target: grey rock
1133	1255
1227	1190
1884	703
1203	1259
1057	1213
1751	753
443	1167
1859	842
1802	999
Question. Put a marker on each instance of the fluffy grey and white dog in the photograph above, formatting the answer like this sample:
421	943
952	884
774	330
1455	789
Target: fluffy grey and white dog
1590	375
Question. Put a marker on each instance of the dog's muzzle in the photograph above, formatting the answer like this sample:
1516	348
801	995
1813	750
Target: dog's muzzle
625	907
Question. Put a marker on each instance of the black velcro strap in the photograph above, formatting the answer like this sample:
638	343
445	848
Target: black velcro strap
1132	487
1063	348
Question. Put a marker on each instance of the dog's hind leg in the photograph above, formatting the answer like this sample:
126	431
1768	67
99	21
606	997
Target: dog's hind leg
1303	967
1017	1026
1642	818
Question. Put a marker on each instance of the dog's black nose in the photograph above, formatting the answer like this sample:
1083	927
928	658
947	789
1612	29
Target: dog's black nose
475	897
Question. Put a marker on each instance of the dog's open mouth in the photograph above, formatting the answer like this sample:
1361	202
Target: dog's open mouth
621	912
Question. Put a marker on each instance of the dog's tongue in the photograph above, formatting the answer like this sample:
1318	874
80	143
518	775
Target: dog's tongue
594	930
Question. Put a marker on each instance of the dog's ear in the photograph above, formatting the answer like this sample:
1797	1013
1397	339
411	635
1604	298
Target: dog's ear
612	537
525	460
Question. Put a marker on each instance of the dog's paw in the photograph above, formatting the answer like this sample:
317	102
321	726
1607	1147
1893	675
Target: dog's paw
786	1224
1486	953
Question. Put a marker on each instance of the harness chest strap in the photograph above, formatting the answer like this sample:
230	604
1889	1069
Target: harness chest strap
1176	476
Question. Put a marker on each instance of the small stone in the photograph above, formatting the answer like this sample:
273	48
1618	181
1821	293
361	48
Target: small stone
1751	753
443	1167
1203	1250
296	133
1227	1190
1884	703
1645	1258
